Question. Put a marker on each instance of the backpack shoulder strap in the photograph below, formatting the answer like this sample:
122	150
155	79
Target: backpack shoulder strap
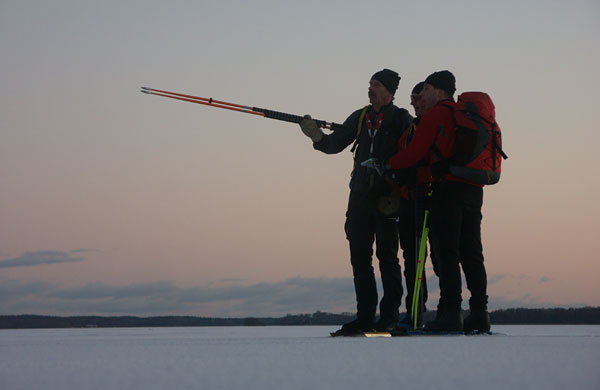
363	113
441	160
448	106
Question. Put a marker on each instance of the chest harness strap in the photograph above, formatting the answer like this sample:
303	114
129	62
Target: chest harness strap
373	131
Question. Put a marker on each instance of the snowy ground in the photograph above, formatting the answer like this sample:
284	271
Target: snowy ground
526	357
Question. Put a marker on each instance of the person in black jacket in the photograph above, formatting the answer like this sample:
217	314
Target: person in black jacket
371	216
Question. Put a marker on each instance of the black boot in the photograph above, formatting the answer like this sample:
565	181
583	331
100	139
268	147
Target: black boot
478	322
449	321
386	324
407	322
355	327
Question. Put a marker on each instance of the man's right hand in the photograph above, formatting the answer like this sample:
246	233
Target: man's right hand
311	129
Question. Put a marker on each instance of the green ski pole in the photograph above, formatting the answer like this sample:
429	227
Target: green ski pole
416	313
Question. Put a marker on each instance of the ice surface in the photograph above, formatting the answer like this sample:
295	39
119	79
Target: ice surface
297	357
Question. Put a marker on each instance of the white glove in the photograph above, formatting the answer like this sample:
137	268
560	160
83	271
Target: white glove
311	129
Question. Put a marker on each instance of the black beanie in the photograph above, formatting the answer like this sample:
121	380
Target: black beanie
418	88
443	80
388	78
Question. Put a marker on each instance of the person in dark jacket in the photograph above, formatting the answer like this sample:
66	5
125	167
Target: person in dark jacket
455	211
374	131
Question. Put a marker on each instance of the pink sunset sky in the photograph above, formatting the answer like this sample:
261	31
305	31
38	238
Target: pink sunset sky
114	202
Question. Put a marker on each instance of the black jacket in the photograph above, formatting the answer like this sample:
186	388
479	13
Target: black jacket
385	144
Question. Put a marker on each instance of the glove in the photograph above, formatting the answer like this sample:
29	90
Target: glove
406	176
311	129
375	164
440	168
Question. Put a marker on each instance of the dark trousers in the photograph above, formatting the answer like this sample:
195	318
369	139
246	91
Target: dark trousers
456	241
407	230
365	226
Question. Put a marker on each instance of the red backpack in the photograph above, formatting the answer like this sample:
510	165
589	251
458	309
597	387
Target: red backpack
478	143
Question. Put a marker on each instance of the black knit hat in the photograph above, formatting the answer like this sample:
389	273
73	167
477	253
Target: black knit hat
443	80
418	88
388	78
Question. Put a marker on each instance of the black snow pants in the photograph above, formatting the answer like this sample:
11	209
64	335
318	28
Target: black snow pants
407	230
456	241
365	225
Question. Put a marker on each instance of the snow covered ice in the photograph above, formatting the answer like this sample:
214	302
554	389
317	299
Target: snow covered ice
297	357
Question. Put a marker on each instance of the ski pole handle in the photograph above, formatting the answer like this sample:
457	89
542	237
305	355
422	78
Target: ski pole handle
282	116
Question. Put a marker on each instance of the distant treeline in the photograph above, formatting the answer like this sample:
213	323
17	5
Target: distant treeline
580	316
586	315
37	321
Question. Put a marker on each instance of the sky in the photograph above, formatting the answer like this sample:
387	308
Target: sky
115	202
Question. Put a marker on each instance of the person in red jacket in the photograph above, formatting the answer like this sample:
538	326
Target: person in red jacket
409	227
455	207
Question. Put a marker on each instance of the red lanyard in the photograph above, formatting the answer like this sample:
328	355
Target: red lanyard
372	131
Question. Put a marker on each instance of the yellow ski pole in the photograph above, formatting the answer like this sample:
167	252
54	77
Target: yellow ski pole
419	272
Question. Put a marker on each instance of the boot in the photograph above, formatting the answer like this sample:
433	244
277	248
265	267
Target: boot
449	321
477	321
407	322
386	324
355	327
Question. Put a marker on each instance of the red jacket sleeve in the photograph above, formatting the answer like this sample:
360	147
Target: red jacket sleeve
436	126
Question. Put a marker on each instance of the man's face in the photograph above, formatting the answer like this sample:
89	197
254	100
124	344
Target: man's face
415	101
429	97
379	96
